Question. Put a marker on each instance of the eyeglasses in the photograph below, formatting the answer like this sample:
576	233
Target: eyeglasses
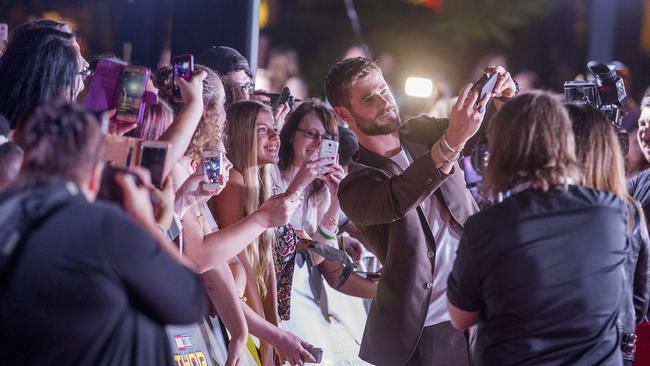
313	135
249	87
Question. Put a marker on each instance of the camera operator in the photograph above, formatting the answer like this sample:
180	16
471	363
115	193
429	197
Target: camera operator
540	272
87	284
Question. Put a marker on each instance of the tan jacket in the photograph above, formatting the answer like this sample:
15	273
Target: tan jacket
384	202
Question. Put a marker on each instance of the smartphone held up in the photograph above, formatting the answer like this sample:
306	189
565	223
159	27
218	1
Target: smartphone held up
183	67
130	106
213	165
153	156
329	150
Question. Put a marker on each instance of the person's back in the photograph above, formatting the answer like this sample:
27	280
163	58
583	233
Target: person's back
91	287
548	264
86	284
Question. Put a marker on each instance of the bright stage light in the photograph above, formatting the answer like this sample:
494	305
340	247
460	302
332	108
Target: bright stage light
418	87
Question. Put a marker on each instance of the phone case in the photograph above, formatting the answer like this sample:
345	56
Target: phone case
102	93
328	149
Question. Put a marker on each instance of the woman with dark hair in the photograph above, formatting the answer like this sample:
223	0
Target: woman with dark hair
598	148
316	179
39	64
542	271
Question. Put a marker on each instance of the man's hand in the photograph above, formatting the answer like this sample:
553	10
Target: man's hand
466	117
505	86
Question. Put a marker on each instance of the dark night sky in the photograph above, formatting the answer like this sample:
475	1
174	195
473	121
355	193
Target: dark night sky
553	45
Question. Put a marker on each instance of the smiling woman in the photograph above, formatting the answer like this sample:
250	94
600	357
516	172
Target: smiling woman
252	143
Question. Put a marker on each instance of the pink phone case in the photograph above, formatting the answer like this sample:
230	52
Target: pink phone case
102	93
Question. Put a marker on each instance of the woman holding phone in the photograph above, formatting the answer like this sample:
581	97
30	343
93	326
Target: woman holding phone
309	166
204	245
253	144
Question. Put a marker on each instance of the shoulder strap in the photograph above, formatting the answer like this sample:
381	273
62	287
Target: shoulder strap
29	210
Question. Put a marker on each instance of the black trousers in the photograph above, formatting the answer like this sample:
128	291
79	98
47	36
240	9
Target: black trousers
441	345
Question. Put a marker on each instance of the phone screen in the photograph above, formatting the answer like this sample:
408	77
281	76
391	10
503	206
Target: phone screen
132	90
153	158
212	167
183	68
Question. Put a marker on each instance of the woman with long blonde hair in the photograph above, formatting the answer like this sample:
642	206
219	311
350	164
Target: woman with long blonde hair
252	144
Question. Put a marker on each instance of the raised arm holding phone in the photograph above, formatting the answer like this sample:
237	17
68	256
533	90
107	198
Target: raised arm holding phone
410	201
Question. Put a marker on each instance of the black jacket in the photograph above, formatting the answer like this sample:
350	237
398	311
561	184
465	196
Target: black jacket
636	293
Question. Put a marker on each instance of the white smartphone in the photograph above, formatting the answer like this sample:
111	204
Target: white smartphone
328	149
153	156
212	165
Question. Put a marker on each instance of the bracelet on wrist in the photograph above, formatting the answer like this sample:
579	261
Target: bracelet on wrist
326	234
445	158
446	143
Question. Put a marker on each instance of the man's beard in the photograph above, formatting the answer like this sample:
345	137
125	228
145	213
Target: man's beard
371	127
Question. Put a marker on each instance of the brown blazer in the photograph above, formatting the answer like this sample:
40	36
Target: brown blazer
384	202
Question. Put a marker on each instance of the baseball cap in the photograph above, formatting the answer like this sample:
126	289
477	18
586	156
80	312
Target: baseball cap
223	60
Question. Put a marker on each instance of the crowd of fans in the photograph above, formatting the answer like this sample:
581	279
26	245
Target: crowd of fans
282	250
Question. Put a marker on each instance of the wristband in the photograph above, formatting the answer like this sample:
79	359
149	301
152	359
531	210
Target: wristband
326	235
442	155
444	141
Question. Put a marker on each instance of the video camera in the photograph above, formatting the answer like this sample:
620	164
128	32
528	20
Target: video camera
606	92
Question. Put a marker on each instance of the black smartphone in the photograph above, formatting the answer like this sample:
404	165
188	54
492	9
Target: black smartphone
282	98
153	156
108	188
183	67
277	99
485	85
